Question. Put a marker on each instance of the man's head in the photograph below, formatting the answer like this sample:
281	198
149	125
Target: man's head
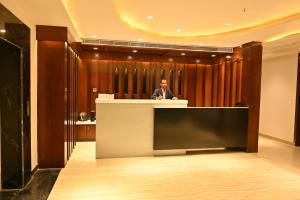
164	84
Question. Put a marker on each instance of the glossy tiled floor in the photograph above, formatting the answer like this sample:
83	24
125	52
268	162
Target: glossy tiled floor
273	173
38	187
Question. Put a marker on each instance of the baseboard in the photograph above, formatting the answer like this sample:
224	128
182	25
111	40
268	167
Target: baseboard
34	170
277	139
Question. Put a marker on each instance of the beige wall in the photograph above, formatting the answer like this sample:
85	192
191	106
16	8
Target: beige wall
13	7
278	95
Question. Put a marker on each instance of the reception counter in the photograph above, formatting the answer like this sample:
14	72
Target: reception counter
128	128
125	127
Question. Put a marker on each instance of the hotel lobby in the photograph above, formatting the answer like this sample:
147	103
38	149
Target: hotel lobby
148	99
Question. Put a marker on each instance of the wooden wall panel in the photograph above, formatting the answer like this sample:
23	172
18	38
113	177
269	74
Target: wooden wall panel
233	94
191	87
208	86
103	76
93	82
215	85
227	83
251	83
239	81
200	85
221	84
82	86
48	108
148	80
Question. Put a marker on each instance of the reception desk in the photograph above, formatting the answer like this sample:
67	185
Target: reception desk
125	127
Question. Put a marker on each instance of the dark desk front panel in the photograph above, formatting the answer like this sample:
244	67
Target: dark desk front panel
194	128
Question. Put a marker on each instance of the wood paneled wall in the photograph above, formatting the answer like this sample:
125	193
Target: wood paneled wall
201	84
57	97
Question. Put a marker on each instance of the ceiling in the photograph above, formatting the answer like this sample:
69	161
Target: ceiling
202	22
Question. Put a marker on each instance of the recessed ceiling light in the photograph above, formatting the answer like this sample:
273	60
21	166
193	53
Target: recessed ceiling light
228	57
2	30
134	50
129	57
197	61
140	39
213	55
183	54
94	36
170	59
149	17
178	30
95	48
201	44
228	24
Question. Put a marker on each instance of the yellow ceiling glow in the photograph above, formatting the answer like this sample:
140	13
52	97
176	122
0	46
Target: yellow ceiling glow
65	4
278	37
129	12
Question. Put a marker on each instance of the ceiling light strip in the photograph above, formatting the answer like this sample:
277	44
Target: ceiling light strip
136	44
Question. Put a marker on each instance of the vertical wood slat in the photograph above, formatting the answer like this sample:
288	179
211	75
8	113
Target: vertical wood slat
221	84
185	82
149	91
93	66
111	71
233	84
139	84
208	86
121	68
200	81
103	76
227	83
82	86
215	85
239	80
129	66
191	87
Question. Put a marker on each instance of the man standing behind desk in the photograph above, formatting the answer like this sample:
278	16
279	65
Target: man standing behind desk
163	92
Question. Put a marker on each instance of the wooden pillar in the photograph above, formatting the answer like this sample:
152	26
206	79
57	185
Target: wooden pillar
251	84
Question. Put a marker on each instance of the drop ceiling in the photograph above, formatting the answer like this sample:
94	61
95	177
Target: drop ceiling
202	22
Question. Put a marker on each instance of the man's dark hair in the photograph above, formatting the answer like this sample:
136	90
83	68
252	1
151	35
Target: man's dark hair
163	79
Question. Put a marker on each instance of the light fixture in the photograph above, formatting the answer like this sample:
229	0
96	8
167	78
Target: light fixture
94	36
97	55
129	57
228	57
170	59
2	30
213	55
228	24
178	30
201	44
95	48
140	39
197	61
183	54
149	17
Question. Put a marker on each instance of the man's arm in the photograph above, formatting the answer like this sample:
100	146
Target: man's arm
171	94
154	95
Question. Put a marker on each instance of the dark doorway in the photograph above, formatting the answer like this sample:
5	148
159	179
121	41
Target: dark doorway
297	109
11	115
15	139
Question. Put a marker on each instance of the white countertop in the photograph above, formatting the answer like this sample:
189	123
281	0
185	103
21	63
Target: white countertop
87	122
140	101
